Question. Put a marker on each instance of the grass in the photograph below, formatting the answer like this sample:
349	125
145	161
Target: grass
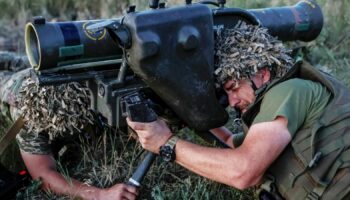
111	157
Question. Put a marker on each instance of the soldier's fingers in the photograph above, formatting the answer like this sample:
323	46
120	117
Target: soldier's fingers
132	133
132	189
129	196
135	125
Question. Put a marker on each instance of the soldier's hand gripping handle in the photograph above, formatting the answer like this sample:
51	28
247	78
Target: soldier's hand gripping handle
138	108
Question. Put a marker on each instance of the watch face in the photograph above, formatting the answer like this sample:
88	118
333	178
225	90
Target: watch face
167	153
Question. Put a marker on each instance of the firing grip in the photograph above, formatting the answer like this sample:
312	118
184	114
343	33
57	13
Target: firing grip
138	108
141	170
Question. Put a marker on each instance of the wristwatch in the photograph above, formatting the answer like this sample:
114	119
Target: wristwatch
167	151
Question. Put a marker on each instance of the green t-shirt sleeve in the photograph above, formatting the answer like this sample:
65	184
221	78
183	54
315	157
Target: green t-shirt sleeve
291	99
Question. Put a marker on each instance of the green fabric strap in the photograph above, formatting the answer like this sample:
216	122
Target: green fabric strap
340	113
316	193
345	157
327	178
238	139
330	175
332	146
11	134
314	130
312	163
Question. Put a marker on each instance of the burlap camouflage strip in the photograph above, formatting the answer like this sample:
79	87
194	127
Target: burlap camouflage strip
240	52
10	86
61	110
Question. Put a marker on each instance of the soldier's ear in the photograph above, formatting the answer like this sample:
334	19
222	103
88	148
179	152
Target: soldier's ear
266	74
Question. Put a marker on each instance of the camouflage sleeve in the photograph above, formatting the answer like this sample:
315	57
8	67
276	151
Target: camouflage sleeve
32	143
11	84
5	77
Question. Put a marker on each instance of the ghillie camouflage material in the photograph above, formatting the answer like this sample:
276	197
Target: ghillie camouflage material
58	109
242	51
53	109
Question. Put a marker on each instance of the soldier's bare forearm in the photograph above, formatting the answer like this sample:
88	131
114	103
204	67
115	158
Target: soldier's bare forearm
43	167
55	182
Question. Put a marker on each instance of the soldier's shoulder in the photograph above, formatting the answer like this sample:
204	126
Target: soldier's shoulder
33	143
11	85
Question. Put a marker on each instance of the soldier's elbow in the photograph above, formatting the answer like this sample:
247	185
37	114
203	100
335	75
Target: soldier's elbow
244	180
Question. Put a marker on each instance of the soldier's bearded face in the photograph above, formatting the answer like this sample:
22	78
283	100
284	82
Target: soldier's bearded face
240	94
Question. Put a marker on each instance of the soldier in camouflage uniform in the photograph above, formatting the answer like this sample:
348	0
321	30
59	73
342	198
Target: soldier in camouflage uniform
10	83
296	121
37	148
10	63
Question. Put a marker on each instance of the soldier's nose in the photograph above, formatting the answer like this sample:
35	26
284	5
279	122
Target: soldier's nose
232	101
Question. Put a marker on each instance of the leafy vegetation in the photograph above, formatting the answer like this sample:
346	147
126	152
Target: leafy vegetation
112	157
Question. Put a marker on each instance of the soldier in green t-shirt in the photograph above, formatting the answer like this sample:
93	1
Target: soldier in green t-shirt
296	121
37	147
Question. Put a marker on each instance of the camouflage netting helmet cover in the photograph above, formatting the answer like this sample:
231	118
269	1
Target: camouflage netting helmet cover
240	52
56	110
